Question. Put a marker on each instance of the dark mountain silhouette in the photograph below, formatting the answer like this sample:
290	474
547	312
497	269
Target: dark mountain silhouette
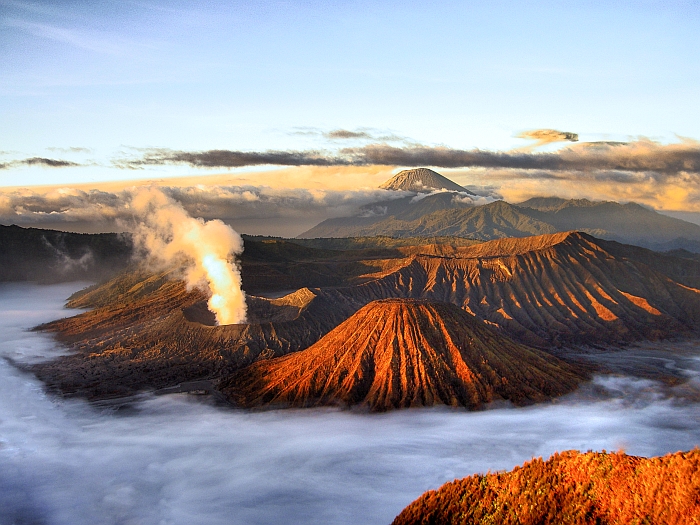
440	214
48	256
570	487
398	353
421	180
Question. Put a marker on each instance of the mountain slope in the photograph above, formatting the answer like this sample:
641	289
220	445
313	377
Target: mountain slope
629	223
403	353
572	488
555	289
456	214
420	180
453	218
148	331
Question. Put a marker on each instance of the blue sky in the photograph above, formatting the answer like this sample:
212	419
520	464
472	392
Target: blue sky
115	77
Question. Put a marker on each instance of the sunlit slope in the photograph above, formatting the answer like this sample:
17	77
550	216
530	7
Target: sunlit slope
556	289
570	488
399	353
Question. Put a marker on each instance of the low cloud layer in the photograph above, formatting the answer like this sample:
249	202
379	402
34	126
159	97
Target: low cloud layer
251	209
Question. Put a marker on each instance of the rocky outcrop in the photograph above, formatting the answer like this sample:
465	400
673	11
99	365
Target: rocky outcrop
570	487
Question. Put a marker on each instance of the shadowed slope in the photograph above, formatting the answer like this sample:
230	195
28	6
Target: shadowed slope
405	353
570	488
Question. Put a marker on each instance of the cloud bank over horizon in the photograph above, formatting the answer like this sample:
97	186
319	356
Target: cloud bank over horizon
312	185
641	155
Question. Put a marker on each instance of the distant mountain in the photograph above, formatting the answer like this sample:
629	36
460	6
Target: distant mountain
421	180
570	487
455	214
443	214
400	353
31	254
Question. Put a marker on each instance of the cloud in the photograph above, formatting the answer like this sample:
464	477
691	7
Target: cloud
39	161
252	209
545	136
231	159
72	149
643	155
345	134
95	41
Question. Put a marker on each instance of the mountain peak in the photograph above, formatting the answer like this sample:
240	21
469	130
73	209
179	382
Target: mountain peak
420	180
396	353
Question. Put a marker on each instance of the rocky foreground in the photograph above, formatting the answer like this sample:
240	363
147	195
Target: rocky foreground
570	488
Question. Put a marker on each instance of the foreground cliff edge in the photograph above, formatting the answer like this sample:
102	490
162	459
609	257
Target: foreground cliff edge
570	488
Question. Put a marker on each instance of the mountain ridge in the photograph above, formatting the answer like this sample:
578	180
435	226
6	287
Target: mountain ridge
400	353
448	214
552	291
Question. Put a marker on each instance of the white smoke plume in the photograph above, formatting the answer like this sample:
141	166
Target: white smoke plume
208	248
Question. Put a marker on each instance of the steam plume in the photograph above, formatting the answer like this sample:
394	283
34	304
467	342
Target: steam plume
170	235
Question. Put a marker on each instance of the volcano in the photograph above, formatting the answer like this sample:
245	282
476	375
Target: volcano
421	180
399	353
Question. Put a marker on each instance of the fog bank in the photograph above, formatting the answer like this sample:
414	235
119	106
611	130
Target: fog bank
180	460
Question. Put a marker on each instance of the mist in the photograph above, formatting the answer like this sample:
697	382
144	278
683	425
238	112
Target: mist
182	460
170	235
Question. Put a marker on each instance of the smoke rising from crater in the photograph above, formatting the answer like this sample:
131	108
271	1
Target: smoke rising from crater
169	235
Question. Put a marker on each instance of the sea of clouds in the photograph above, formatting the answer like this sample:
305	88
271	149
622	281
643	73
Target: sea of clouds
182	460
